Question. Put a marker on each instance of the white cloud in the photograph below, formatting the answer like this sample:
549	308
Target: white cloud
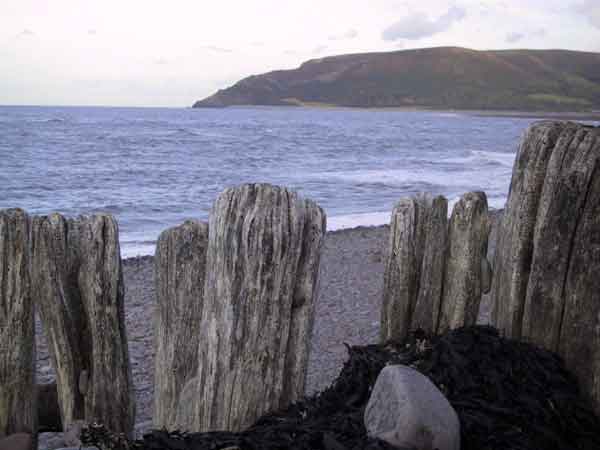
514	37
214	48
319	49
419	25
591	10
350	34
26	33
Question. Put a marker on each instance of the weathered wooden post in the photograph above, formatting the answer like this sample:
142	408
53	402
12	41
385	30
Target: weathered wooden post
546	284
415	266
180	266
18	409
261	285
514	248
435	272
466	261
77	277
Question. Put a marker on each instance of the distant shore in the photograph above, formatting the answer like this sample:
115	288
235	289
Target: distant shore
557	115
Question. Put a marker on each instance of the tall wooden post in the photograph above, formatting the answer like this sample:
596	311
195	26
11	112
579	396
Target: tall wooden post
261	285
77	274
18	408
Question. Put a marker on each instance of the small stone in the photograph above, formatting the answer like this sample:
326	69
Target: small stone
407	410
17	441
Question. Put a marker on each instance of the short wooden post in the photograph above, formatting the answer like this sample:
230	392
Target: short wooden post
180	266
415	266
467	250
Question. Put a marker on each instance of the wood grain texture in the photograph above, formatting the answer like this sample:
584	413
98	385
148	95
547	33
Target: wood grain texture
579	342
54	278
76	269
415	266
400	278
18	408
562	200
426	314
514	248
258	304
555	243
468	232
180	267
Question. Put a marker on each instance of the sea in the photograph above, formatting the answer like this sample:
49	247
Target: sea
153	168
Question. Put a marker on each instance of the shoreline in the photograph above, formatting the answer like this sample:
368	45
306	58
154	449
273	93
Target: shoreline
508	113
341	231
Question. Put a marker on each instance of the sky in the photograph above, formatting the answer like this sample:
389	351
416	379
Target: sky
171	53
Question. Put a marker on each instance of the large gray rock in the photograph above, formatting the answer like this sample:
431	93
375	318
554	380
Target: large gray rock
180	266
465	258
18	408
260	291
407	410
77	276
415	266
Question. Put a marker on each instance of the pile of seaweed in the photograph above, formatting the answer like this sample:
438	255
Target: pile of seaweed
509	395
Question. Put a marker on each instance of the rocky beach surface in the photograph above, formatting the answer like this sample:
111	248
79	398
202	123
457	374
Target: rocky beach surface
347	312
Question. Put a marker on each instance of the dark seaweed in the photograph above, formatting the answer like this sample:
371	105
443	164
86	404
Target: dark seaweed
509	395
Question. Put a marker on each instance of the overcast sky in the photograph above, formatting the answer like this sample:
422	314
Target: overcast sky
171	53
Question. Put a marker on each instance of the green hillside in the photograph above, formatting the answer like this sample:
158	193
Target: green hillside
445	77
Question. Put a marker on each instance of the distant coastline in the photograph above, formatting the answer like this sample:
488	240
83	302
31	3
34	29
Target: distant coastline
556	115
431	78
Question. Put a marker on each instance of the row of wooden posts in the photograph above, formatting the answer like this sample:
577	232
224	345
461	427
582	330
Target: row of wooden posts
236	296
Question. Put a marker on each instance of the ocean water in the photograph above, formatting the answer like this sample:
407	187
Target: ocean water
155	167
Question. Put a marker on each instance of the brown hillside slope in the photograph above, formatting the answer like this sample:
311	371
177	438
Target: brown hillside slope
444	77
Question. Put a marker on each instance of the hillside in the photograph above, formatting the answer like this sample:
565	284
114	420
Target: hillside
445	77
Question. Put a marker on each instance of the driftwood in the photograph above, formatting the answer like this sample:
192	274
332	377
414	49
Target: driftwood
76	273
465	258
18	409
545	286
415	266
180	265
261	285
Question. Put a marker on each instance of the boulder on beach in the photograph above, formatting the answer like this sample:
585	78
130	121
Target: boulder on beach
407	410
